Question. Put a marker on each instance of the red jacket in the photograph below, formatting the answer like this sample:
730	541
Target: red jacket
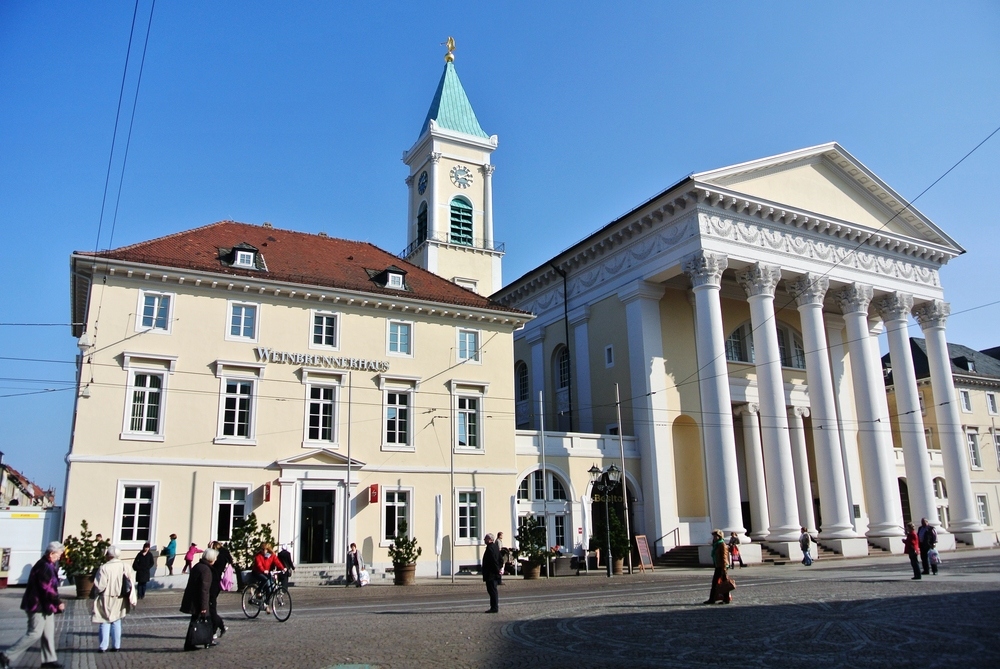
262	564
911	543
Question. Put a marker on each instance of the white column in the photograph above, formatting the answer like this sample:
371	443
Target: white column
756	487
432	198
964	517
487	171
759	282
705	270
800	464
535	339
894	310
650	419
581	369
877	460
809	291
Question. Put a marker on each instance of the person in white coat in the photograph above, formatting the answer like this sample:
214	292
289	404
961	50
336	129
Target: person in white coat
110	606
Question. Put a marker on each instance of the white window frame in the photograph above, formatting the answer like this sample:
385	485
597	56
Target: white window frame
216	492
128	434
995	435
237	371
965	399
388	337
230	306
338	318
609	356
141	306
481	506
991	403
384	497
929	439
923	404
398	384
975	452
468	284
321	378
478	359
394	280
245	258
983	508
135	544
469	390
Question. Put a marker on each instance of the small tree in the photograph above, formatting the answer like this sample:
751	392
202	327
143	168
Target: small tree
620	543
531	541
83	554
246	539
404	550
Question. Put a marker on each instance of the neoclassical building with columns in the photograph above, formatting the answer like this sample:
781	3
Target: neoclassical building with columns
738	314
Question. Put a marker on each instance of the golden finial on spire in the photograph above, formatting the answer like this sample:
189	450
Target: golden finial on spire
450	56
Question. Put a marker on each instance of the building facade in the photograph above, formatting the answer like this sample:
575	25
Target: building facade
738	315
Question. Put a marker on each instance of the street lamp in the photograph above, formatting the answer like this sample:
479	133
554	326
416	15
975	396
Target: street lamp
604	482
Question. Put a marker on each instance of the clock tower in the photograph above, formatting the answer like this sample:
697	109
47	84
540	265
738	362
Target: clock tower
450	220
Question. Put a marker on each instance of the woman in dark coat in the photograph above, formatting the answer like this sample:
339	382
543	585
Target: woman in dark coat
720	557
197	594
912	548
143	565
218	568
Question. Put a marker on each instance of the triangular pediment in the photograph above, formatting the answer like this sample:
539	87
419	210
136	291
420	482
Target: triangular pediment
319	458
828	181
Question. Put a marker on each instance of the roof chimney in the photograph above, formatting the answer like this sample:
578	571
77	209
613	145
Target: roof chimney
267	224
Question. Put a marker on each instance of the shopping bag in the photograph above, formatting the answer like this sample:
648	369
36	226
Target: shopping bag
199	632
363	577
728	586
228	580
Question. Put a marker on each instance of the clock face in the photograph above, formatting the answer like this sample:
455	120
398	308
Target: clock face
422	182
461	176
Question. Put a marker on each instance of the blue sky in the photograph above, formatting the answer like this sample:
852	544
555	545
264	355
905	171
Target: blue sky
298	113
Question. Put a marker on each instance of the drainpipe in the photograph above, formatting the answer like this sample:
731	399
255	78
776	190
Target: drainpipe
569	352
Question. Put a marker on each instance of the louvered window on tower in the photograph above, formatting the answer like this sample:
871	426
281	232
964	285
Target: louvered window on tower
461	222
422	223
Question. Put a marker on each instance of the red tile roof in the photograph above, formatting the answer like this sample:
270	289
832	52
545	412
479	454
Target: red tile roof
296	257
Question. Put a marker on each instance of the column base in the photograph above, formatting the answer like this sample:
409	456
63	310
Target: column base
945	540
788	549
975	539
892	544
854	547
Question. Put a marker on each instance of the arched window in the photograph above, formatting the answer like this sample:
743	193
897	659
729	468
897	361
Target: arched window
562	367
461	222
521	381
531	489
739	346
422	223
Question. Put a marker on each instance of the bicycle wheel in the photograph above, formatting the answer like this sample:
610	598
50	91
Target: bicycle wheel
281	604
252	602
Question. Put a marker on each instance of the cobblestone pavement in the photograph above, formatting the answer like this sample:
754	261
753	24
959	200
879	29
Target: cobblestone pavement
843	613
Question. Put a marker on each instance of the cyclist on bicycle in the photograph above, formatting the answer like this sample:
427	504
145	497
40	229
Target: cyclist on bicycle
264	562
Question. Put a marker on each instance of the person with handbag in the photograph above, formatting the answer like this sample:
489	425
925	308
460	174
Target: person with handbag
734	551
143	565
197	602
355	563
722	586
170	552
115	598
41	602
223	560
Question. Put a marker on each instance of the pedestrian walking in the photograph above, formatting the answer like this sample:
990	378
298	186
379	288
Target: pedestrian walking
927	538
935	560
911	545
805	545
41	603
171	552
503	563
734	551
197	602
721	585
355	563
116	597
189	557
285	555
222	559
491	572
143	565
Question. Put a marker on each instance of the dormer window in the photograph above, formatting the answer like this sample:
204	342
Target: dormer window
394	280
392	277
244	259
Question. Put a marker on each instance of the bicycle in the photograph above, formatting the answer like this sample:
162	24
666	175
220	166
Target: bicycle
269	592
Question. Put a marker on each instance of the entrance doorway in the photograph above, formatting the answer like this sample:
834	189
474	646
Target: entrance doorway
316	537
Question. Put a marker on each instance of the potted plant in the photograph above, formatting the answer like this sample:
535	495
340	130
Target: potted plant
620	544
245	541
82	557
531	549
404	552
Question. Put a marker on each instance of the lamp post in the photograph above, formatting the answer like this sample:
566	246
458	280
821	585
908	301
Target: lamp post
604	482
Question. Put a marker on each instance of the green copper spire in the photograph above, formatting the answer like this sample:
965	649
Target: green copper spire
450	108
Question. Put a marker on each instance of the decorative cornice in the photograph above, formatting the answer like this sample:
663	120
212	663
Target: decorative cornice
705	268
894	307
408	180
854	298
931	314
759	279
808	289
641	290
579	315
487	170
534	335
434	157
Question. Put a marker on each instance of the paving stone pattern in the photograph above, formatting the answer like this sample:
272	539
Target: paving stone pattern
857	613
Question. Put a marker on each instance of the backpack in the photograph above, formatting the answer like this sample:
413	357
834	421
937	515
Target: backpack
228	580
126	587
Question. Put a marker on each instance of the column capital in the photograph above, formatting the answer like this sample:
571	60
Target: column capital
487	170
799	412
810	288
894	306
638	290
705	268
534	336
759	279
579	315
854	298
408	180
748	408
434	157
931	314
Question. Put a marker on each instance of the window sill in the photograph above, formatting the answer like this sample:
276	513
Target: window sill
159	331
329	445
469	451
399	449
138	436
393	354
469	542
234	441
242	340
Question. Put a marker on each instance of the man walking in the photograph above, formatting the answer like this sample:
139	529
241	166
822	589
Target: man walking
805	544
927	537
491	572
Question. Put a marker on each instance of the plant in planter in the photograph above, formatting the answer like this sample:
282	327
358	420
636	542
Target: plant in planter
404	552
245	541
620	544
531	548
82	557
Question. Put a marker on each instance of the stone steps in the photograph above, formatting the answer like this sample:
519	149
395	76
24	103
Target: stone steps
680	556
